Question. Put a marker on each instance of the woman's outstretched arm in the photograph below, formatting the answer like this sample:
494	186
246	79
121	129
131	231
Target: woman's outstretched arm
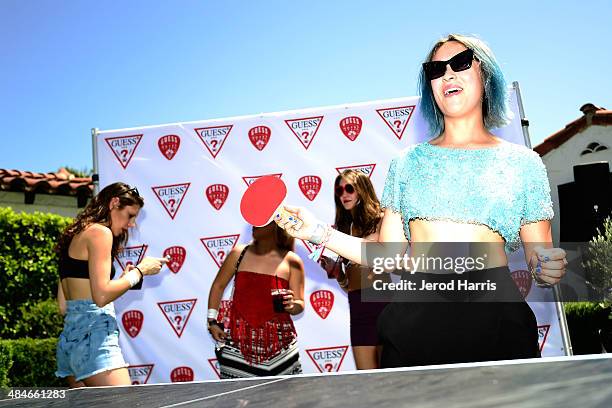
391	240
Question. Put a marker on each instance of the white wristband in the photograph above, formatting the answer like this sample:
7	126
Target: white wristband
319	233
133	277
212	314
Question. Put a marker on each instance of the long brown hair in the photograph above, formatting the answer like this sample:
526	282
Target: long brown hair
367	212
283	240
98	211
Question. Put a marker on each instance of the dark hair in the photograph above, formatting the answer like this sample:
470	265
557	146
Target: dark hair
495	105
283	240
98	211
367	212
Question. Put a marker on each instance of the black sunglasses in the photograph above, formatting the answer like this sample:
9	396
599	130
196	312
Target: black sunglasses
347	187
460	62
131	190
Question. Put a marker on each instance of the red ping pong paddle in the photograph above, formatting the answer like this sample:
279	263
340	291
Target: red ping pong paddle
264	199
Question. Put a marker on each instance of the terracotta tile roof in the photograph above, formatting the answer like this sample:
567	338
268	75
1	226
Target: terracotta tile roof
60	183
593	115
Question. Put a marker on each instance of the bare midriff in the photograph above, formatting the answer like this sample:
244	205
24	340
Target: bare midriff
425	233
76	289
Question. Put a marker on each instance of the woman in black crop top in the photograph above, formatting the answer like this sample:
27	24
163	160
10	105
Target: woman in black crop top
88	347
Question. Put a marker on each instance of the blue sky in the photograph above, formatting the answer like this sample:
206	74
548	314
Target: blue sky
70	65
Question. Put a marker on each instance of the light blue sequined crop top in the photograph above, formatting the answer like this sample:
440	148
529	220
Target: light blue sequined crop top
503	187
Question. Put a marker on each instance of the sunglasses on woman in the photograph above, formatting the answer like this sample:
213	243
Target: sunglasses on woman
460	62
131	190
347	187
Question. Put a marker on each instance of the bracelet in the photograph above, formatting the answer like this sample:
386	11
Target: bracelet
138	269
327	236
320	235
212	314
132	277
317	234
534	274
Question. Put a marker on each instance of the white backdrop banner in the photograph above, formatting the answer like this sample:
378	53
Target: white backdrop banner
192	176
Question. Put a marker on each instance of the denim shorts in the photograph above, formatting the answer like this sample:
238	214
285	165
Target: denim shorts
89	343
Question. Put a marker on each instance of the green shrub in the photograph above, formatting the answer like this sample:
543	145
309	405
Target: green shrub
41	320
6	361
28	263
598	262
29	363
589	324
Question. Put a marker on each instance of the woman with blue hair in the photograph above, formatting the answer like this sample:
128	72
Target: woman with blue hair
464	186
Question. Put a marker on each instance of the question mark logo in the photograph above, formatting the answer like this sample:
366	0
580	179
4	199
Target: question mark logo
172	201
329	367
177	320
220	255
397	124
124	153
214	144
305	136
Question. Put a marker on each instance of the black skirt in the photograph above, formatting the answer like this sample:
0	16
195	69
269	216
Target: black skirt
457	326
364	315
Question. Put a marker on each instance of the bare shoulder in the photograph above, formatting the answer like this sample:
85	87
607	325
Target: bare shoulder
236	251
294	259
238	248
97	232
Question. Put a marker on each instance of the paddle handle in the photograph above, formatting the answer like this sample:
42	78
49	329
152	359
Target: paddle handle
297	223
